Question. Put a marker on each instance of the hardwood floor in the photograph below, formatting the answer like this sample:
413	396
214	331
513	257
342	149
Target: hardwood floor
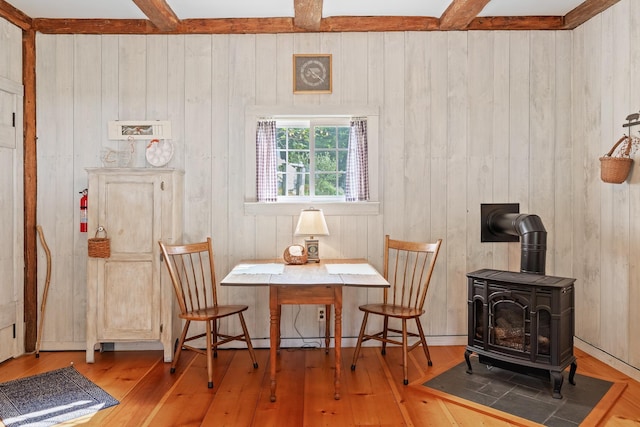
372	395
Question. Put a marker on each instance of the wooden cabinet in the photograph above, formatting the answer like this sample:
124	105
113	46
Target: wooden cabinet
129	295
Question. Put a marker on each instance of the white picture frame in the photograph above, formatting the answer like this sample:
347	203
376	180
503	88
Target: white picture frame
139	129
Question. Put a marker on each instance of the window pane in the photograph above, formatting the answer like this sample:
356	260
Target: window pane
326	161
282	161
342	161
298	138
326	185
342	183
298	184
282	179
343	137
281	138
325	137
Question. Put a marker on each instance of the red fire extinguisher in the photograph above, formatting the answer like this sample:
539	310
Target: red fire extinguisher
84	200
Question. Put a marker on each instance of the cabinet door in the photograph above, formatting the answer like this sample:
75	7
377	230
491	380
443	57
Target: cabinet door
128	292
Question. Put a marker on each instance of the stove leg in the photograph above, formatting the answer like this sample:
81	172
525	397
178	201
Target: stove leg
557	379
572	372
467	353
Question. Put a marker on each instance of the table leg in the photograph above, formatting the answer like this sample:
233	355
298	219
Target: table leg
274	337
279	335
327	327
338	334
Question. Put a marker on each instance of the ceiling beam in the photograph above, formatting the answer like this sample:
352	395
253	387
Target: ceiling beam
15	16
460	13
378	23
495	23
308	14
159	13
586	11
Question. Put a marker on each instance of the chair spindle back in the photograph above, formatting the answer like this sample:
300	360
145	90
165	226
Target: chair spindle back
192	272
408	267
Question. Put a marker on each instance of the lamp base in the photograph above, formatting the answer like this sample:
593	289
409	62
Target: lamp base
313	250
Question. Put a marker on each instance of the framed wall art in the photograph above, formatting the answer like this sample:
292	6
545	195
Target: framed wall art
312	73
139	129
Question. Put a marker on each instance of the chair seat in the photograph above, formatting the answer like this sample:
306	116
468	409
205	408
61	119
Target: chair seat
211	313
392	310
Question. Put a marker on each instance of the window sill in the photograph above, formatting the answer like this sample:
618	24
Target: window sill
329	208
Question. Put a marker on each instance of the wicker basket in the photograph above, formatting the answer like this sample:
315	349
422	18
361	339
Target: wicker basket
295	259
100	247
615	170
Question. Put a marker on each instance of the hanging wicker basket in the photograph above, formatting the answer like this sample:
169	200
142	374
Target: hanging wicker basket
100	247
615	170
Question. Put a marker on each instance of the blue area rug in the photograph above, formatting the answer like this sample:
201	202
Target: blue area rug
51	398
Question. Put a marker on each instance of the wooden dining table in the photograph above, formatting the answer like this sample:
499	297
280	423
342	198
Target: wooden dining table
311	283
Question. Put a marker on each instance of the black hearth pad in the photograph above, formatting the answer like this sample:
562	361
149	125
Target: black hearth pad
522	395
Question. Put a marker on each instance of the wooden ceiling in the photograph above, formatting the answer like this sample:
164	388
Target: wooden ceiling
461	15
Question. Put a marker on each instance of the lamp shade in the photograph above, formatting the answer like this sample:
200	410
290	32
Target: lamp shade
311	223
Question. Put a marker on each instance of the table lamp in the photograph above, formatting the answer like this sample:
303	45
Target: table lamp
311	223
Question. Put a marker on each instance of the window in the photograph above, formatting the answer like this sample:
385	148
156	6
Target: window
279	179
312	158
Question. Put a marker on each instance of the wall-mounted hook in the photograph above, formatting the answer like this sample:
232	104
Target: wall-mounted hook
632	120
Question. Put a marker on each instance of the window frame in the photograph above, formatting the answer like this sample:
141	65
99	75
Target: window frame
292	207
312	123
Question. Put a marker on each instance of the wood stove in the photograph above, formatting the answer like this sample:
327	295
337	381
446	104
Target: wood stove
522	321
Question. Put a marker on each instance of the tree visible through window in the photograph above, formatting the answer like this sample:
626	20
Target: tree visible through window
312	158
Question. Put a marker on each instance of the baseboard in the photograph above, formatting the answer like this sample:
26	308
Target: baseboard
610	360
439	340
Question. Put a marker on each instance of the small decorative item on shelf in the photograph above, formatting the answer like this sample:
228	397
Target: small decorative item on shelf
118	158
159	152
295	254
616	164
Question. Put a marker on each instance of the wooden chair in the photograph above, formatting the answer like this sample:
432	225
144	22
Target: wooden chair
191	268
408	267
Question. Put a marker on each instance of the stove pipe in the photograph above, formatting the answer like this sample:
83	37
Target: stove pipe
533	238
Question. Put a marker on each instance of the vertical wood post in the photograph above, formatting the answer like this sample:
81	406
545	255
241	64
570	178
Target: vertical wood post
30	189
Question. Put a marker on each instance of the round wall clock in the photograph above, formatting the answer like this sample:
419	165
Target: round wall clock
159	152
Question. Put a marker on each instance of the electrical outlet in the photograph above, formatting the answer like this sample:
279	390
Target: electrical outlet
321	314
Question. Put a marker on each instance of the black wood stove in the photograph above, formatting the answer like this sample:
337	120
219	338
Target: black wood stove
522	321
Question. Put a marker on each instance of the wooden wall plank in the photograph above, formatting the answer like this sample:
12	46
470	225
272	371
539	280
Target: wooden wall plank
80	147
501	136
61	225
11	53
479	139
615	203
542	140
593	232
436	305
458	220
393	130
417	213
519	169
562	249
631	11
